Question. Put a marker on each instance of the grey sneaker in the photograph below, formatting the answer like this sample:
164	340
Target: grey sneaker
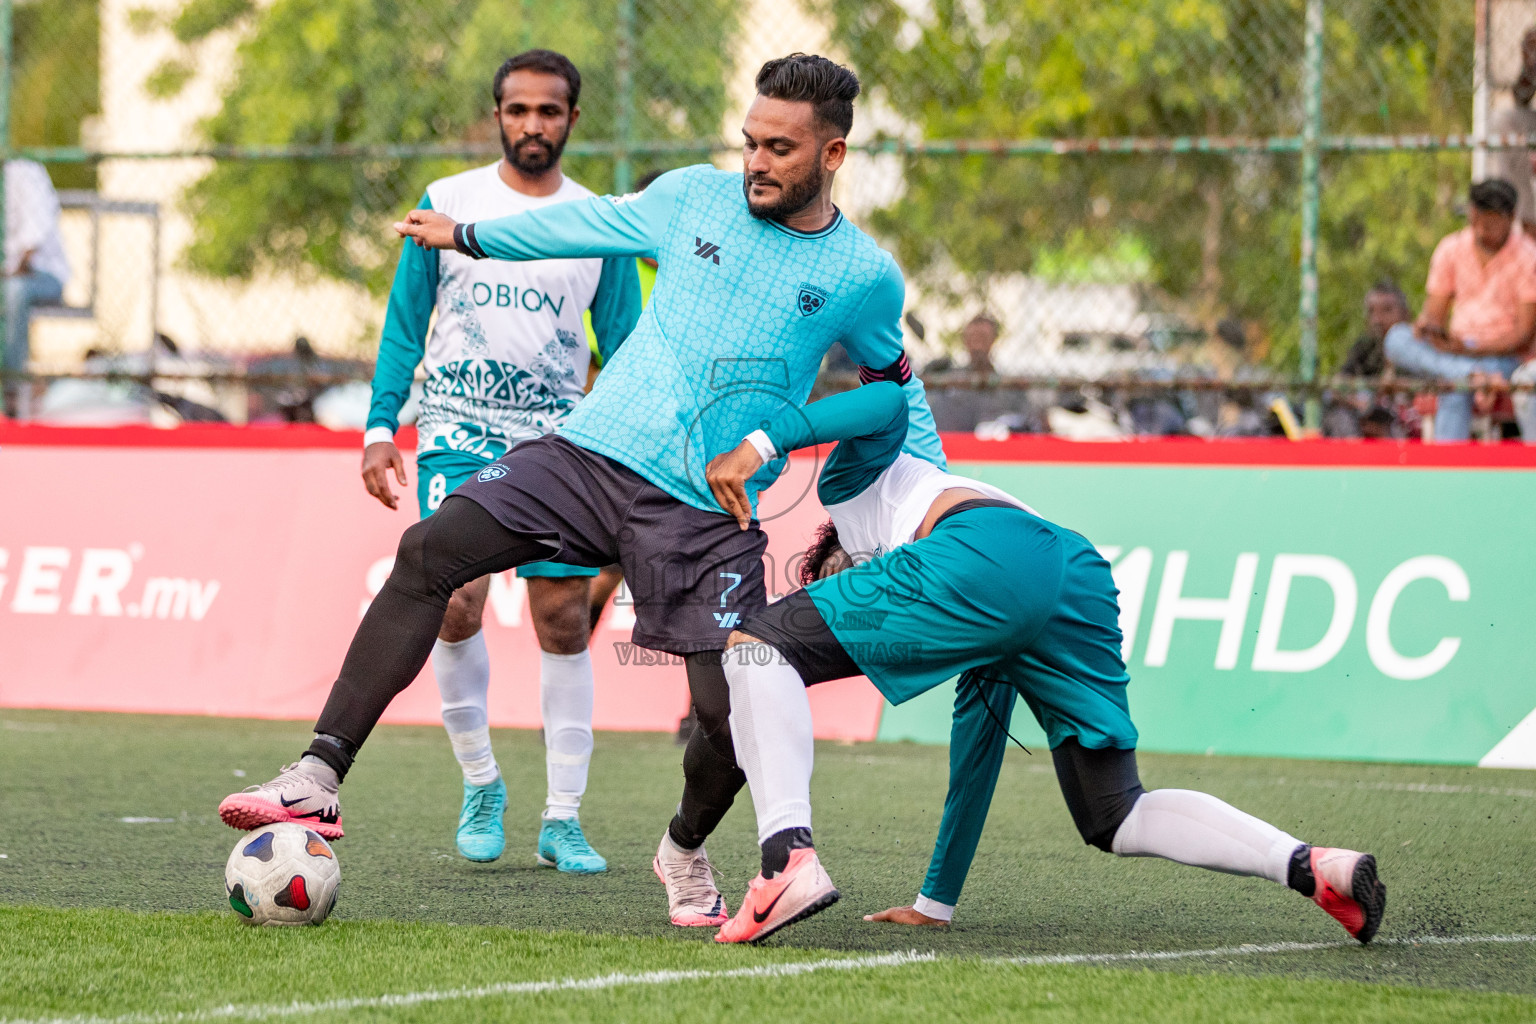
305	793
693	899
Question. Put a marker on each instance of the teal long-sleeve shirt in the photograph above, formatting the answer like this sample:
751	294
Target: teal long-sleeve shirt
869	427
742	312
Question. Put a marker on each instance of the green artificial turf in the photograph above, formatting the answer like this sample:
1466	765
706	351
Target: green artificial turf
1457	849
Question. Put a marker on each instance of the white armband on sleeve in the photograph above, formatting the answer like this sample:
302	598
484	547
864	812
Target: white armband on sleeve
373	435
933	908
764	444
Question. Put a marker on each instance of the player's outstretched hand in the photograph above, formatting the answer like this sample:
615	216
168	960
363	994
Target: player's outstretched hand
906	915
430	229
728	474
378	459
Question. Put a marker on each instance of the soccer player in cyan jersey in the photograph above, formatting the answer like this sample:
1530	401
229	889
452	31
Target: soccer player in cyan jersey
758	274
507	360
922	576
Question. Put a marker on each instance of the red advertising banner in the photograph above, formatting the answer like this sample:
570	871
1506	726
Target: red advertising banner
223	571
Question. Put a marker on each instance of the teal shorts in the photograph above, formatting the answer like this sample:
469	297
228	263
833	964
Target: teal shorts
1018	599
439	474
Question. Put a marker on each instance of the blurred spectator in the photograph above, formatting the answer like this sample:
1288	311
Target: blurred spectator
1514	165
1367	412
977	337
1385	307
1484	276
284	388
966	396
36	269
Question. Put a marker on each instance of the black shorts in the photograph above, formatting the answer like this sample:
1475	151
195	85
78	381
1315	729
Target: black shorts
694	575
795	628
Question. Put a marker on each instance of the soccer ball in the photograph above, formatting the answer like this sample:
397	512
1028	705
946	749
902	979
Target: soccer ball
282	874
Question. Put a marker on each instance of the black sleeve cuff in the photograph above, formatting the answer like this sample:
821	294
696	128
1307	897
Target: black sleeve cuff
898	372
464	241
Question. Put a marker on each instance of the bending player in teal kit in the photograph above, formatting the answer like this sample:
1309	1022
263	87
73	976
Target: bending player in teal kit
759	273
922	576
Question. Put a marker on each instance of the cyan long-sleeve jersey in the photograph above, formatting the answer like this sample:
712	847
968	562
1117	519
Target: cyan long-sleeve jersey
742	313
507	357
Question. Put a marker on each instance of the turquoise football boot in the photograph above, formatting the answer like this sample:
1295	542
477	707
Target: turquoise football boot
562	845
481	835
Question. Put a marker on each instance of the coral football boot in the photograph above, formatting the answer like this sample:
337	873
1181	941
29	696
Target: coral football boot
794	894
1347	887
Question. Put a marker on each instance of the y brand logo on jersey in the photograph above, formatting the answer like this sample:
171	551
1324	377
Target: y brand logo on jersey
706	250
811	299
490	473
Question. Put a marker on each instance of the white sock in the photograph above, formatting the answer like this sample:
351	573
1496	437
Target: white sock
771	715
463	673
565	701
1198	829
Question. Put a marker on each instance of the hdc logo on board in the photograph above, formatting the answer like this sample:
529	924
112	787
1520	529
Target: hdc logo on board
98	581
1133	572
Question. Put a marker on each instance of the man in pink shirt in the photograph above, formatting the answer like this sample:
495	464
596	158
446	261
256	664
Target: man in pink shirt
1484	276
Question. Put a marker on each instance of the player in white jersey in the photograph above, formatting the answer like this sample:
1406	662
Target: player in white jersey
506	358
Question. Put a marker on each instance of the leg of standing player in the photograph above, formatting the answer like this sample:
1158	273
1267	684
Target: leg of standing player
559	601
462	666
694	575
527	507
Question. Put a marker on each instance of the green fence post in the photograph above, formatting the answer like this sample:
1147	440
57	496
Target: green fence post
624	116
1311	135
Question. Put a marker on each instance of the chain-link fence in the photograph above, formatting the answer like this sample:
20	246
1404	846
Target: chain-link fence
1174	207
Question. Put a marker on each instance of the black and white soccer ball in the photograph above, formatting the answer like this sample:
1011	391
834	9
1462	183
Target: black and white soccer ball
282	874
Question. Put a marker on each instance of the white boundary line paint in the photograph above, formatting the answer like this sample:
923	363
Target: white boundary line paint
276	1011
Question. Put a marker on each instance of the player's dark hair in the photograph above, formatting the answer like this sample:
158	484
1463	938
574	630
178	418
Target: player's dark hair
546	62
1493	196
829	88
647	179
822	547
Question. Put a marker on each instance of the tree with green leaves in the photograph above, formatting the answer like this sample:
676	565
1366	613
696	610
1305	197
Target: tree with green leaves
409	72
55	79
1217	234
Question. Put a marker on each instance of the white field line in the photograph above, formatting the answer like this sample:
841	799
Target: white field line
271	1011
1401	787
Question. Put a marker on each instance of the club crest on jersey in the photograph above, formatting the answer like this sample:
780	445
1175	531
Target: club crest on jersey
811	299
490	473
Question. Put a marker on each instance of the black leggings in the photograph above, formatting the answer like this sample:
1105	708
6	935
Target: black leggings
1100	786
711	778
461	542
458	543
